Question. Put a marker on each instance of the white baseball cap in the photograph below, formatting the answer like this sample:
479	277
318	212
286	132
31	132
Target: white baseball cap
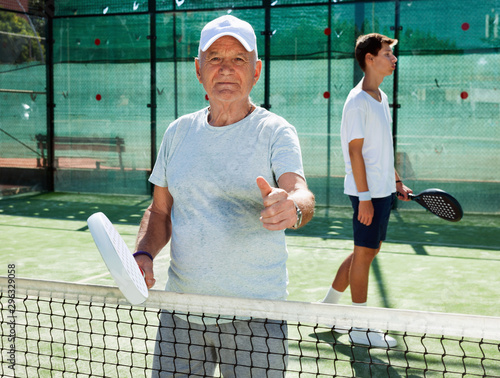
231	26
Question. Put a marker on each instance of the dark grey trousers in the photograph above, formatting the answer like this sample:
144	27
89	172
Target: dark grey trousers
242	348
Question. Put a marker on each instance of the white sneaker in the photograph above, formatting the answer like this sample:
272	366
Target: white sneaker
372	337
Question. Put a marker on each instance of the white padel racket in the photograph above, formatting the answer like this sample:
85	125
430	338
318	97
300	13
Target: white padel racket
118	259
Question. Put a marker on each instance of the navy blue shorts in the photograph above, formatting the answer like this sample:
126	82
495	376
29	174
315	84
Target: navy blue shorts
371	236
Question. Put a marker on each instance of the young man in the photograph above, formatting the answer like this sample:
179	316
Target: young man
371	180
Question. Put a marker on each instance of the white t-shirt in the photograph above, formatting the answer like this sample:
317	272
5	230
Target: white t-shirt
218	244
365	118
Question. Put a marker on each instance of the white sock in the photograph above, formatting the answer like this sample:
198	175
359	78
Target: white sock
333	296
359	304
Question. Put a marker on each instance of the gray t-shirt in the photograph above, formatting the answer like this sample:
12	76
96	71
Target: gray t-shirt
218	244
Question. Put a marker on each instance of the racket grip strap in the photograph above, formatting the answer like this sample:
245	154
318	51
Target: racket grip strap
139	253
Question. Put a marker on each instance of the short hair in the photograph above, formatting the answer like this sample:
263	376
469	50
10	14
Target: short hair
370	43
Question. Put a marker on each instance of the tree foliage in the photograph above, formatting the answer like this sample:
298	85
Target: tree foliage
20	41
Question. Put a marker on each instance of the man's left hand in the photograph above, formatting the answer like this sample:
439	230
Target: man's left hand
402	191
279	212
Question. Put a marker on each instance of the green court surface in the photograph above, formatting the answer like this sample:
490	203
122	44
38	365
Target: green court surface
426	264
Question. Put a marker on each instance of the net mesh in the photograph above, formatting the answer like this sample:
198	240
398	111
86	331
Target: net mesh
61	329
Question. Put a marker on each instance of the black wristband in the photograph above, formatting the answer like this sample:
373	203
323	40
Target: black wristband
138	253
398	181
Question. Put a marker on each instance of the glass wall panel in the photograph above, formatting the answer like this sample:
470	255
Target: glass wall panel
102	92
449	130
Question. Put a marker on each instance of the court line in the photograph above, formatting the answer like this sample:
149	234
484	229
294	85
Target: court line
406	242
85	280
91	278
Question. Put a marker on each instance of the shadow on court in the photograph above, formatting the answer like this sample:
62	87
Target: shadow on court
76	207
417	228
362	361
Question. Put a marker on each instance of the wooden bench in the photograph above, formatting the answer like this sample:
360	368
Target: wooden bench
81	144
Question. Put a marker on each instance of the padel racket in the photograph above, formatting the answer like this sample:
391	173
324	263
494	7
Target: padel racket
118	258
439	203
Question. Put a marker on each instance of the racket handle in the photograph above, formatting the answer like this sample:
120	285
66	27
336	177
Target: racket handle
410	195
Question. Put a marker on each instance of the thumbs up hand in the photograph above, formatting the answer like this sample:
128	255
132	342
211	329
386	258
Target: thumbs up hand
279	209
265	188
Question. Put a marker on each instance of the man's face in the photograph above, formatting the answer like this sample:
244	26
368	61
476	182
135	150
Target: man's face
385	61
227	70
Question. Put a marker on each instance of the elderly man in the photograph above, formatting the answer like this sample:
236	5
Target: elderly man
228	181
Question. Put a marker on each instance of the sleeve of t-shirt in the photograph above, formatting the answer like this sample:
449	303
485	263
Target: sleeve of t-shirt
285	152
354	123
159	175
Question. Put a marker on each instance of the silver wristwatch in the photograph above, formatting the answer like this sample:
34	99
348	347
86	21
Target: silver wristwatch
299	215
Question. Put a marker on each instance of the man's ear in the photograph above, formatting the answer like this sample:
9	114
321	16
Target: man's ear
258	70
198	70
369	58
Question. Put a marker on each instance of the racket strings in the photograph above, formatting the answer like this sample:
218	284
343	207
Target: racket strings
440	206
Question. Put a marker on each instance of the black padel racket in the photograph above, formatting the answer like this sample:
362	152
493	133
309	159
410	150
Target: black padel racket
439	203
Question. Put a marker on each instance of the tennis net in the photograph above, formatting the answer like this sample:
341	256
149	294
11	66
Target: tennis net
51	328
